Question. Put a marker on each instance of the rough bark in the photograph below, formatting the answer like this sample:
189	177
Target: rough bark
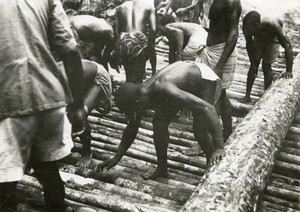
237	182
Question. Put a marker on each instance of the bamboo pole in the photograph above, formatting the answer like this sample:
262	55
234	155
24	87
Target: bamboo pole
237	182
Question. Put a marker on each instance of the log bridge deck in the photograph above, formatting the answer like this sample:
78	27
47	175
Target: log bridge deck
122	188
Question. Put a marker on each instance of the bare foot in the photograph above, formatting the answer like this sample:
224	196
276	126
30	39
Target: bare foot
216	157
158	172
246	99
194	151
85	160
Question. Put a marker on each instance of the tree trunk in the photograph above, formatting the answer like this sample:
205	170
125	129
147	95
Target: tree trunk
237	182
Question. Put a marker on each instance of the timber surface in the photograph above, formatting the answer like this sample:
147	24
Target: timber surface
123	189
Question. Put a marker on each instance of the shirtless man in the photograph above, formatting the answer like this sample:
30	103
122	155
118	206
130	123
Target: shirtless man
263	37
97	30
185	39
182	84
138	16
97	95
220	53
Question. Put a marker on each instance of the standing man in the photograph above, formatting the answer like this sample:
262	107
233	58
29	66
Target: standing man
263	37
33	95
220	52
182	84
138	16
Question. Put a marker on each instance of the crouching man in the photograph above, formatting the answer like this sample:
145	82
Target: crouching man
182	84
97	90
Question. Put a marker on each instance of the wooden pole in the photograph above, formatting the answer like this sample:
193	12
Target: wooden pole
237	182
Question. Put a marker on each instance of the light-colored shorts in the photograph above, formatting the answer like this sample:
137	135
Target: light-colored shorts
268	51
103	80
192	47
44	136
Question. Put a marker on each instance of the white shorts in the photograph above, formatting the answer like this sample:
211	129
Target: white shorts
44	136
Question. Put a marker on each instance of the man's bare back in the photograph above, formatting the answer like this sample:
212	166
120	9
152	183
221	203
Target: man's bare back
138	16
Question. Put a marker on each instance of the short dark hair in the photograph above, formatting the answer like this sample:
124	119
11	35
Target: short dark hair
166	19
252	17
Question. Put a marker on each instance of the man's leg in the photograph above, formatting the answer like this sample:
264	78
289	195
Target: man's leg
268	74
161	122
47	174
203	137
252	73
8	196
226	113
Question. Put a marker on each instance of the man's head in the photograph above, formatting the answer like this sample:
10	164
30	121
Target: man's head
251	23
129	46
127	98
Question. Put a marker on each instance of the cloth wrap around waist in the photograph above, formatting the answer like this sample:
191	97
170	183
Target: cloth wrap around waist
211	55
128	46
103	80
211	88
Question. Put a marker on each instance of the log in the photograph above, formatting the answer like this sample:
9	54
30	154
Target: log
178	194
103	199
285	179
271	207
278	201
284	168
285	157
283	193
237	182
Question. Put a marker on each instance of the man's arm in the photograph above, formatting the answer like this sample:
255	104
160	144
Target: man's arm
182	11
197	105
232	14
251	52
62	40
288	50
128	137
177	38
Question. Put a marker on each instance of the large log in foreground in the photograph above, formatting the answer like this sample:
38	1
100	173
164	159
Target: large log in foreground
237	182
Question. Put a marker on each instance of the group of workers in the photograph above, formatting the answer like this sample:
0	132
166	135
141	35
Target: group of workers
45	103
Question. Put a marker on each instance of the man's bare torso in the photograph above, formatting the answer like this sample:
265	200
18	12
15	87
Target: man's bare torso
268	29
219	15
134	15
90	28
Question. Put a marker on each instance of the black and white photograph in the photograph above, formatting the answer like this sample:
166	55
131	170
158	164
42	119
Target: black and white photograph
149	106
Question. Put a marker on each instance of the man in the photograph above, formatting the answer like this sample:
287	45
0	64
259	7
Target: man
34	94
130	51
138	16
97	30
185	39
181	84
97	90
220	53
263	37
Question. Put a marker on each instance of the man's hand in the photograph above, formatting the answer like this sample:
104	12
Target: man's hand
107	165
286	75
78	118
217	156
180	11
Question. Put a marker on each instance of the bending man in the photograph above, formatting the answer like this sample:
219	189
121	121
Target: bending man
263	37
185	39
181	84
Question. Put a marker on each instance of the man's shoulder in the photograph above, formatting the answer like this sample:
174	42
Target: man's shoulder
233	4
